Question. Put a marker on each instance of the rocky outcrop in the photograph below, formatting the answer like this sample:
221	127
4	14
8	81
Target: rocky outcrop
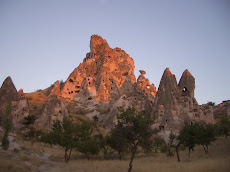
101	73
20	93
8	95
175	104
187	84
56	89
20	112
53	110
144	84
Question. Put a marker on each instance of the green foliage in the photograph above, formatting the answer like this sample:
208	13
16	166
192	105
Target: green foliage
172	138
211	103
223	126
5	142
89	147
30	119
159	143
117	141
205	135
135	129
7	127
64	134
95	118
164	148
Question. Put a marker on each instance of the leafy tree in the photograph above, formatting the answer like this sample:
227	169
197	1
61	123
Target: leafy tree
88	146
30	119
33	134
117	141
172	138
158	142
7	127
211	103
223	126
95	118
187	137
64	134
205	135
135	128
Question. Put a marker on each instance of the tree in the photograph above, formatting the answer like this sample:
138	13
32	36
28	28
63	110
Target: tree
117	141
7	127
87	144
223	126
211	103
172	138
89	147
205	135
95	118
187	137
30	119
64	134
158	142
135	128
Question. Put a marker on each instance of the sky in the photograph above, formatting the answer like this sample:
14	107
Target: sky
42	41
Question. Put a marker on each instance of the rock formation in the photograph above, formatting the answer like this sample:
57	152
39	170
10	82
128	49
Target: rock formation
8	95
101	73
56	89
53	110
103	82
175	104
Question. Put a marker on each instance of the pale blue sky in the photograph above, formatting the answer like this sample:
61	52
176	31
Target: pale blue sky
42	41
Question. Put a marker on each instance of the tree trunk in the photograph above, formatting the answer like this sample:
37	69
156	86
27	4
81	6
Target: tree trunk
189	150
69	154
132	157
177	154
205	149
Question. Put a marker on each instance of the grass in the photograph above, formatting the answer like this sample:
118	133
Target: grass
217	160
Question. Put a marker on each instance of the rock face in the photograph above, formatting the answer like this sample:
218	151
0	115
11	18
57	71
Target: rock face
144	84
175	104
8	94
103	82
53	110
101	73
56	89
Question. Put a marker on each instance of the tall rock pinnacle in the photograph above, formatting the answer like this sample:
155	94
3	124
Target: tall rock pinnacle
187	84
101	73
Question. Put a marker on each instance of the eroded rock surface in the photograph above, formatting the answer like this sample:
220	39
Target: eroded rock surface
53	110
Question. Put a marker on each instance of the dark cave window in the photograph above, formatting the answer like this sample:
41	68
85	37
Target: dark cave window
77	91
90	98
89	83
88	79
184	89
111	88
71	91
70	80
166	120
59	111
191	123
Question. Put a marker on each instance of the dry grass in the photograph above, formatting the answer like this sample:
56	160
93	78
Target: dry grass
218	160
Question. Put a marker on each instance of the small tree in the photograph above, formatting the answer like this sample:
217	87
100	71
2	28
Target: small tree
30	119
7	127
205	135
64	134
89	147
87	144
117	141
187	137
171	145
211	103
136	129
158	142
223	126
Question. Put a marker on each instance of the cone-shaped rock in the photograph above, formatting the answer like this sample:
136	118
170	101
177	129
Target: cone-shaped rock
53	110
8	93
167	93
187	84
